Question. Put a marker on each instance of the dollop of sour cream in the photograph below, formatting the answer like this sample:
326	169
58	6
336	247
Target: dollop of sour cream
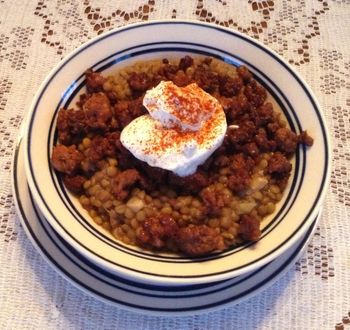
185	125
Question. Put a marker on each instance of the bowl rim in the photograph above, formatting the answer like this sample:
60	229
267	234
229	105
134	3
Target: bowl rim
146	277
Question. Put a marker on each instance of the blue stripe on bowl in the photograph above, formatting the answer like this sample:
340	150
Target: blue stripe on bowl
184	291
232	33
80	83
141	306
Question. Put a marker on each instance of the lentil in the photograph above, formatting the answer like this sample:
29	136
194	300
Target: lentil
233	191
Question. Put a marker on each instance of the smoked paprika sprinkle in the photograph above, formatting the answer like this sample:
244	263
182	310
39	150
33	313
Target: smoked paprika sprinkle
215	208
184	127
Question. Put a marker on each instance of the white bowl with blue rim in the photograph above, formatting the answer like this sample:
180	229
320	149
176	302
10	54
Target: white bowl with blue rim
159	39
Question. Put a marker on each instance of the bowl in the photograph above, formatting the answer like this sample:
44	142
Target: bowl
159	39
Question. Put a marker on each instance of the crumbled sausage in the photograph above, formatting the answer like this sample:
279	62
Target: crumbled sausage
181	79
286	140
263	142
158	175
264	114
66	159
279	165
306	139
185	62
100	147
122	113
237	106
126	160
244	73
251	149
240	174
94	81
124	182
98	111
271	128
238	181
225	175
230	86
209	162
225	103
157	230
205	78
112	96
127	110
70	124
139	82
114	142
249	228
192	183
255	93
168	71
74	183
207	60
241	162
280	168
221	160
199	240
214	199
243	134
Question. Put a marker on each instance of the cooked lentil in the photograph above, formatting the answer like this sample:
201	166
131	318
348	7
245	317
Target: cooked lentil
219	206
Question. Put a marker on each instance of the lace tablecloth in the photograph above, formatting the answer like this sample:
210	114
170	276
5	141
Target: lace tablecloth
311	35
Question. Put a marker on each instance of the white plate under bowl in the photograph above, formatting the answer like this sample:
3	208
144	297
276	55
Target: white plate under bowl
136	296
161	39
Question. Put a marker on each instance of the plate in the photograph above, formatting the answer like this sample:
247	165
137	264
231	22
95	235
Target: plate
111	51
133	295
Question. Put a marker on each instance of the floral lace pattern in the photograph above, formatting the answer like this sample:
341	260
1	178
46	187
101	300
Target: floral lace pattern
313	36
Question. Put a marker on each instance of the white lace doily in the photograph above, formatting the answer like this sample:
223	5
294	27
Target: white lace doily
312	35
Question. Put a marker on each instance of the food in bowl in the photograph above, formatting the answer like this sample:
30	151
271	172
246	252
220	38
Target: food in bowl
181	193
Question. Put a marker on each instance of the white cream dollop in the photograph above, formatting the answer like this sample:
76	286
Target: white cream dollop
187	107
184	127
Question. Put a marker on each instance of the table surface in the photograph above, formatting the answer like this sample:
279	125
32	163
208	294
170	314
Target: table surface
311	35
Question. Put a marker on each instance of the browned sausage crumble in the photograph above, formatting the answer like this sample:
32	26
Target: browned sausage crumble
219	206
